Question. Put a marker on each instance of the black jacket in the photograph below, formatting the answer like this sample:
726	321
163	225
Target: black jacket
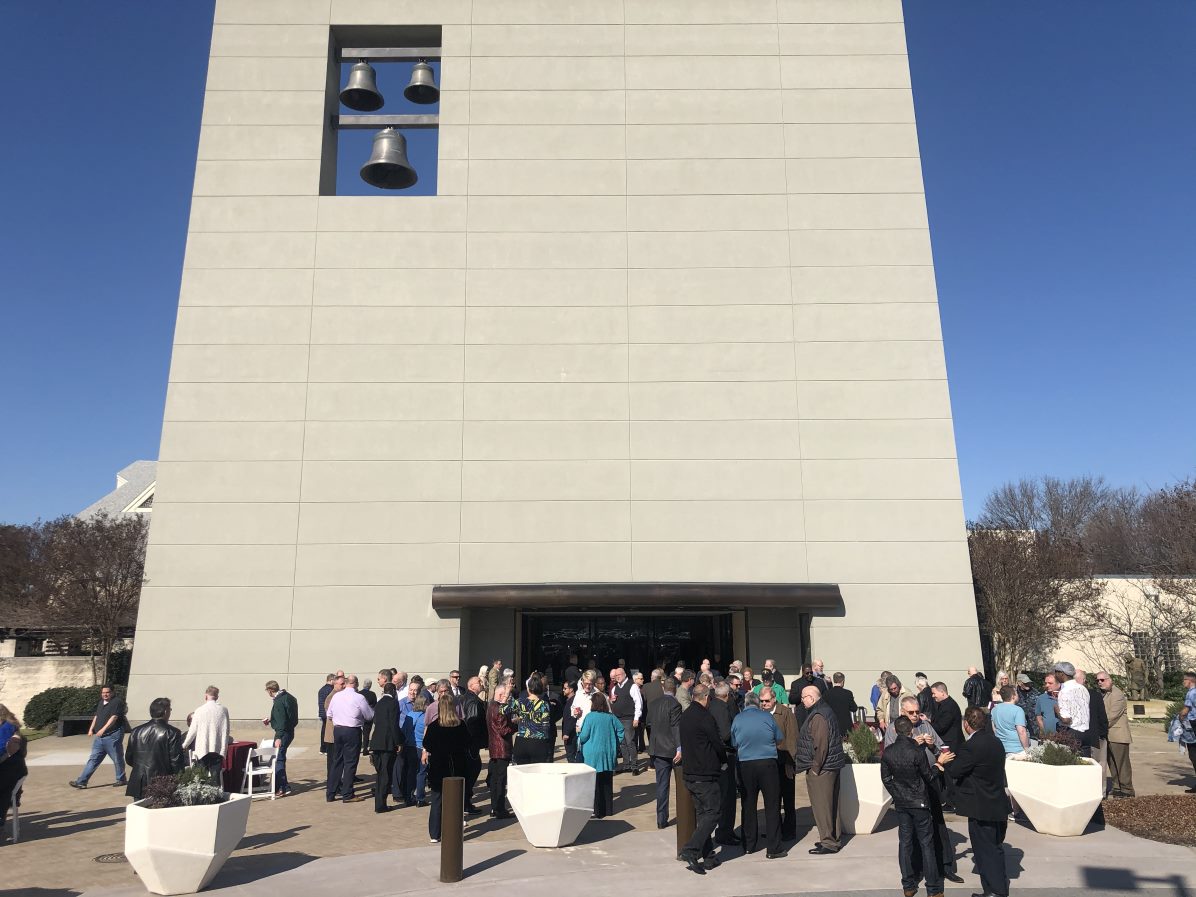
796	686
448	752
664	727
976	691
947	720
473	712
842	703
155	749
905	772
385	736
724	713
979	773
1098	719
925	701
702	751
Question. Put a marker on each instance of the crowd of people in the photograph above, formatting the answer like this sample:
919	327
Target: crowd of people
738	740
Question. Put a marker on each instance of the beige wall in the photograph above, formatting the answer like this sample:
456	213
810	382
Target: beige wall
672	316
1125	598
23	677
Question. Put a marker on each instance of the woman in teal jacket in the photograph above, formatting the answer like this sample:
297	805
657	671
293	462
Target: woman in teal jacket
599	739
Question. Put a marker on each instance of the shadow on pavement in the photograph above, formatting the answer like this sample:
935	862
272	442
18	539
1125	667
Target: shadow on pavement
496	860
598	830
242	870
265	839
1096	877
58	824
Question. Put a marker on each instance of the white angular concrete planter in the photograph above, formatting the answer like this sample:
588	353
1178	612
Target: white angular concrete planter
1058	800
863	800
553	801
178	850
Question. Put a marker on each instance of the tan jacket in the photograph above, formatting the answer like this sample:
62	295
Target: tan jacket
787	723
328	735
882	706
1119	720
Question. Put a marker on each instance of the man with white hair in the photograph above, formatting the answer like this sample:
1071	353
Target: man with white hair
1073	705
975	689
627	705
207	733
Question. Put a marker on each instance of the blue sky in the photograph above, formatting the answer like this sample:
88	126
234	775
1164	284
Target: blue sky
1059	149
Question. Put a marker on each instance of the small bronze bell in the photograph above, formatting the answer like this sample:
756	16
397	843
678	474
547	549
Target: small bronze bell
388	167
361	91
422	89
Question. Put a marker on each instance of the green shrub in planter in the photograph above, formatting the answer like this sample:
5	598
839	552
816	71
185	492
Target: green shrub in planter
48	707
862	746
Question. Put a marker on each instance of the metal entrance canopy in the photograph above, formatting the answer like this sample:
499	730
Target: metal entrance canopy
634	595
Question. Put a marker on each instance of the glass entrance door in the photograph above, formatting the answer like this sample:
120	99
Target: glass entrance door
643	641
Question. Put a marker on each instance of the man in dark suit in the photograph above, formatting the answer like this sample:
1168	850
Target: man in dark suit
568	721
722	707
664	744
842	703
978	771
946	717
473	713
704	756
384	744
653	689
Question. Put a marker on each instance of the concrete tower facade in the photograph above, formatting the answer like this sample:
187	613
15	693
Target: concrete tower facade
662	351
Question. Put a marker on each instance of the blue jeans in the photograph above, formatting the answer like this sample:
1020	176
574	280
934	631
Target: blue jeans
110	745
280	766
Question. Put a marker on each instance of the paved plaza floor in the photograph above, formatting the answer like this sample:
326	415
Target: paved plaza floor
303	846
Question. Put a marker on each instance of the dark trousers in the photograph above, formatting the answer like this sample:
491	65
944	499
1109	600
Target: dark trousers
760	776
944	851
496	781
473	769
1192	755
664	779
531	750
413	773
915	851
988	849
604	794
788	799
398	780
627	745
384	765
730	792
571	748
347	741
281	783
705	794
434	816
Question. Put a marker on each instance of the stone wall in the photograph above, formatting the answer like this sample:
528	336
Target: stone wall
23	677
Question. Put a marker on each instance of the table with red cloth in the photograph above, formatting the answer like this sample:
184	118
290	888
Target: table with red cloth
233	769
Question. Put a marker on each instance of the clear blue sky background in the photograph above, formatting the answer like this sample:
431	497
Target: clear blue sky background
1059	149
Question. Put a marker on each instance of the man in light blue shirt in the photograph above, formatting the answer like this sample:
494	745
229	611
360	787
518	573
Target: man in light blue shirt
1046	704
755	736
1009	722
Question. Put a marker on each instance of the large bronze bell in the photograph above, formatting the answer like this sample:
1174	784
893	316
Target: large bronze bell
388	167
361	91
422	89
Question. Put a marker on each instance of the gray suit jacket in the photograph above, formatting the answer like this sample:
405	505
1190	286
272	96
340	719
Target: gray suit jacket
664	722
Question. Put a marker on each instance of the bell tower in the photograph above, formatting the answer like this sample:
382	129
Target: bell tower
493	309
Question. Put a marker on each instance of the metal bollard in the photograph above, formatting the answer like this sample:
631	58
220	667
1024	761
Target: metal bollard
452	828
687	819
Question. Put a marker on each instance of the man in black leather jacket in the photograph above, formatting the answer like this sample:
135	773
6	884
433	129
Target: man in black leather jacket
155	749
905	772
473	712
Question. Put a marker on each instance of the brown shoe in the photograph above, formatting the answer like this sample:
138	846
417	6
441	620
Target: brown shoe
909	892
355	799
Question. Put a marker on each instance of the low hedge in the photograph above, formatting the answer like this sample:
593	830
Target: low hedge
47	707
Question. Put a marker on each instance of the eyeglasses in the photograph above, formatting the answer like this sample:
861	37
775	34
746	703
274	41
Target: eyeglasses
910	712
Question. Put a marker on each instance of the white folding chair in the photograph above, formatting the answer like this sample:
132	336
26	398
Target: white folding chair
260	764
16	809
